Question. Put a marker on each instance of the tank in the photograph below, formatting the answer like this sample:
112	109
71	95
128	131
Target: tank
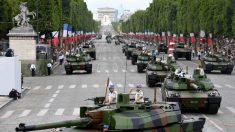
129	50
126	116
195	92
135	53
156	72
217	62
80	61
142	61
90	49
182	52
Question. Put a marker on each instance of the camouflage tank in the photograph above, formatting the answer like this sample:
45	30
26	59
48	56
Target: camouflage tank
170	63
126	116
129	49
217	62
135	53
182	52
195	93
156	73
81	61
90	49
142	61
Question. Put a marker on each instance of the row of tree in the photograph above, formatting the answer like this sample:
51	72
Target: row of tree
185	16
51	14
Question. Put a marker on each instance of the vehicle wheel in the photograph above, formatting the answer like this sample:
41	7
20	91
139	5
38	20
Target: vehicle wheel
188	57
208	68
213	108
140	68
150	82
133	60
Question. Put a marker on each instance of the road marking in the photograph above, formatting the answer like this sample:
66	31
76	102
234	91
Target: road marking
96	85
60	86
37	87
132	70
115	70
84	86
213	123
231	109
76	111
119	85
217	85
7	114
229	86
57	91
123	70
131	85
48	87
72	86
51	100
107	71
59	112
54	95
42	112
25	113
47	105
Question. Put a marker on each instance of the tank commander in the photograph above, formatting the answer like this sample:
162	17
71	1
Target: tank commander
139	94
112	96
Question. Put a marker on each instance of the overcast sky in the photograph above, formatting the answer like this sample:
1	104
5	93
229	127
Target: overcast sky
121	5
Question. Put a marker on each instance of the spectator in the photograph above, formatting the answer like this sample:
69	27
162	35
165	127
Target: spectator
49	68
61	58
33	69
199	55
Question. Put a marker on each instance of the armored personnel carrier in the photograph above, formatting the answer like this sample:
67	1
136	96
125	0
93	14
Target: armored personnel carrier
217	62
182	52
195	93
90	49
142	61
156	73
126	116
80	61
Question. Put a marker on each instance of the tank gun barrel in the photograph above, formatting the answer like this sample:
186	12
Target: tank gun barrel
194	86
77	122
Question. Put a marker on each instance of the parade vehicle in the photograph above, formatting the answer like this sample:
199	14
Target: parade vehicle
142	61
217	62
156	72
81	61
162	48
90	49
129	50
181	51
136	52
125	116
109	38
195	92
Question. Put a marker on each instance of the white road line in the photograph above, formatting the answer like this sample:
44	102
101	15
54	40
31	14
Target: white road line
231	109
57	91
132	70
51	100
60	86
8	114
48	87
59	112
84	86
96	85
25	113
42	112
47	105
131	85
123	70
119	85
217	86
54	95
213	123
72	86
107	71
76	111
37	87
229	86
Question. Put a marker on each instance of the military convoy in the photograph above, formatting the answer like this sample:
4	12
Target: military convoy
142	61
129	49
218	62
80	61
182	52
90	49
125	116
195	93
135	53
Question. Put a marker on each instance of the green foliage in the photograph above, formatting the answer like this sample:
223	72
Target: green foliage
185	16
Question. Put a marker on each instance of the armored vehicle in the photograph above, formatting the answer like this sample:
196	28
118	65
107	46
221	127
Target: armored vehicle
126	116
182	52
129	49
109	39
162	48
99	36
217	62
195	93
80	61
142	61
135	53
90	49
156	73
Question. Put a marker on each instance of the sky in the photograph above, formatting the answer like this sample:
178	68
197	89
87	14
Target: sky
121	5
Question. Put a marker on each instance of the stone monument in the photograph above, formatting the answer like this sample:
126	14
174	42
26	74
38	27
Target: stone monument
22	39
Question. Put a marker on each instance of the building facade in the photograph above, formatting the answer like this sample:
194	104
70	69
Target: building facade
106	11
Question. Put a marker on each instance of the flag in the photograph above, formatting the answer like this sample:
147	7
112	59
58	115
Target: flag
65	30
55	40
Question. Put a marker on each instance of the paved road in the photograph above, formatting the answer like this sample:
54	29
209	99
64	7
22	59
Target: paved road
58	97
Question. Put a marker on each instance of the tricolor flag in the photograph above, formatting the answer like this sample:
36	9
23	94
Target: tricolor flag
65	30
